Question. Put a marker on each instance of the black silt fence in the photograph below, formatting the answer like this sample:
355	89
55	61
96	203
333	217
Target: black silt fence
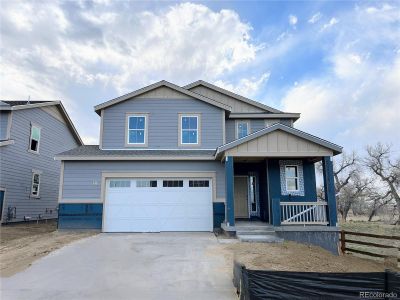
256	284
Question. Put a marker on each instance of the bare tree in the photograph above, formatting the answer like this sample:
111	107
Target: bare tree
377	201
380	163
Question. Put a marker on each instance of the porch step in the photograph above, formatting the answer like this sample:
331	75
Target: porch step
243	231
259	238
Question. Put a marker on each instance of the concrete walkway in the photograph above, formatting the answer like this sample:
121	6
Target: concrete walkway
129	266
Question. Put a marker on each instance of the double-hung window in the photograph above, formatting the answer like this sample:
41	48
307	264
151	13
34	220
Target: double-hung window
242	129
34	139
189	129
137	128
292	178
35	188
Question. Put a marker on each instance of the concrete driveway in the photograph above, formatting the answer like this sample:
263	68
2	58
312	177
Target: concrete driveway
129	266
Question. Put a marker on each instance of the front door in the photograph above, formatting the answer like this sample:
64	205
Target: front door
241	193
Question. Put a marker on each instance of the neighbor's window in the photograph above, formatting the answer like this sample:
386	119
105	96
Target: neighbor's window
242	129
35	189
120	183
136	130
189	129
198	183
292	178
34	139
172	183
146	183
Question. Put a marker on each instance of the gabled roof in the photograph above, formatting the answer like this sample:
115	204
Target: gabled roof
92	152
18	105
153	86
233	95
335	148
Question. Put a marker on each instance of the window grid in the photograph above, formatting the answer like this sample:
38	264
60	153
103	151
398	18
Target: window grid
120	183
292	178
172	183
34	138
35	189
137	130
189	129
242	129
146	183
199	183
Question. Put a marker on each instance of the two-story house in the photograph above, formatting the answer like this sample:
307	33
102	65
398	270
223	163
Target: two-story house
194	158
31	133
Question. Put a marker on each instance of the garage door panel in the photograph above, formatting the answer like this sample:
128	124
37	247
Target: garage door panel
154	209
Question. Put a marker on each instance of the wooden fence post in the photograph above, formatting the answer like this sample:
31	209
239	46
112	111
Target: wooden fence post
342	242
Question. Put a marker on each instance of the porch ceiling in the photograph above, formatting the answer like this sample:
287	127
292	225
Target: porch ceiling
279	141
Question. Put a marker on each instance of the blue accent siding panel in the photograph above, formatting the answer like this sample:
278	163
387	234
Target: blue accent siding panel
80	216
163	122
17	164
310	190
230	204
329	187
219	213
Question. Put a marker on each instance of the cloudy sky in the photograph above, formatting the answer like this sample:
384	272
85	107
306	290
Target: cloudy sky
337	62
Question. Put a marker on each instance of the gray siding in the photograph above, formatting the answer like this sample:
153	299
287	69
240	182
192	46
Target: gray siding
162	122
4	119
255	125
17	163
82	179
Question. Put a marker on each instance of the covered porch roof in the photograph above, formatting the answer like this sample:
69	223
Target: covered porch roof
278	140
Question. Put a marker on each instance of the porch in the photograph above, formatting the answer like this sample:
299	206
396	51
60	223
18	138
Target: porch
270	177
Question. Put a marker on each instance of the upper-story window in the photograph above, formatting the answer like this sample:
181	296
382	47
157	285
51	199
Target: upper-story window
34	140
242	129
136	130
189	129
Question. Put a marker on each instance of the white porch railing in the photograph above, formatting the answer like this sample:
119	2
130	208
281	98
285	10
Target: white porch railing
303	213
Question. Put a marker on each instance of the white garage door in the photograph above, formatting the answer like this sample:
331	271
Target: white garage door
153	205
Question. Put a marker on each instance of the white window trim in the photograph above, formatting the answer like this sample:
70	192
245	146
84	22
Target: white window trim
297	178
190	115
237	122
35	172
146	126
30	138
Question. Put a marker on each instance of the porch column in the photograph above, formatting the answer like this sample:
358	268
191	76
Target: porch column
229	185
329	188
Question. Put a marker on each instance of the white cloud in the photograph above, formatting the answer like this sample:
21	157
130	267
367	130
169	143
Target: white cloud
315	18
332	22
245	86
293	20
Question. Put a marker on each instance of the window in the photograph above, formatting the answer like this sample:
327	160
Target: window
136	130
242	129
34	139
189	129
120	183
146	183
35	189
172	183
198	183
292	178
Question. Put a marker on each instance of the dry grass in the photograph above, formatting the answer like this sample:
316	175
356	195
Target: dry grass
21	244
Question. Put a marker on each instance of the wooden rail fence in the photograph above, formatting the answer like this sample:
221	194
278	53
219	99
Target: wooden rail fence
345	240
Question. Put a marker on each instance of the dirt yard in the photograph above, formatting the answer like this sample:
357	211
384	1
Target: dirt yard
21	244
291	256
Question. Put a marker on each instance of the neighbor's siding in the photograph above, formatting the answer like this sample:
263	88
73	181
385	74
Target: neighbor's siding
4	119
17	163
82	179
162	122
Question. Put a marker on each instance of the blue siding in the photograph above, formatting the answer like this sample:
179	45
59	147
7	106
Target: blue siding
80	216
219	213
4	119
17	164
162	122
82	179
310	189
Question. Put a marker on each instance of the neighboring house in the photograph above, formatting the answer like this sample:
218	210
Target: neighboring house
192	158
31	133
